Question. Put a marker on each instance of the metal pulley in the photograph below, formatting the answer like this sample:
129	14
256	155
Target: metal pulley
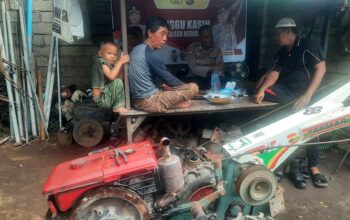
256	185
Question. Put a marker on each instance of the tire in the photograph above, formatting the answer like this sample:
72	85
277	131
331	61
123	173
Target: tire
88	132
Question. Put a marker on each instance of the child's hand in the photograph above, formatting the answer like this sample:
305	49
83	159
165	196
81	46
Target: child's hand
124	59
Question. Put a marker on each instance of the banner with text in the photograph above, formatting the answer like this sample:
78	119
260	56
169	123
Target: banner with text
227	18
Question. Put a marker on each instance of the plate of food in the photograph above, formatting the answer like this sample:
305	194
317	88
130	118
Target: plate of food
220	101
211	96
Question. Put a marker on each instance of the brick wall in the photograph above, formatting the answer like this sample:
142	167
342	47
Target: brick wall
75	59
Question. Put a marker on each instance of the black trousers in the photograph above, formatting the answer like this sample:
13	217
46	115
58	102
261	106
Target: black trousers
281	94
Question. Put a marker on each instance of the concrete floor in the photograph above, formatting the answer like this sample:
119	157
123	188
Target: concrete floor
24	170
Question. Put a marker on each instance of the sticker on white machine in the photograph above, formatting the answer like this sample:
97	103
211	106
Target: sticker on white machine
258	134
316	130
238	144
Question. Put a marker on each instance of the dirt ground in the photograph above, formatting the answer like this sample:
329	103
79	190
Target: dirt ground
24	170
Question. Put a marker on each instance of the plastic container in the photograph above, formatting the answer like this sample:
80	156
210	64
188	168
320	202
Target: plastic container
215	83
226	92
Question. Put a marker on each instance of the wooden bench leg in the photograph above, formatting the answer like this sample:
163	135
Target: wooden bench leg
129	129
132	123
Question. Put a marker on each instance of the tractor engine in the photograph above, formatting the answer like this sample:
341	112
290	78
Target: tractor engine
131	182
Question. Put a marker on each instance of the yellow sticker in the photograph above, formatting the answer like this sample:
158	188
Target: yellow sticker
182	4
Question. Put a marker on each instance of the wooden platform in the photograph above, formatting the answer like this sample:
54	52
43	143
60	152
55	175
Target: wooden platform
197	107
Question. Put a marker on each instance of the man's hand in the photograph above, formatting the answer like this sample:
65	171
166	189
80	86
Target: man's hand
301	103
259	97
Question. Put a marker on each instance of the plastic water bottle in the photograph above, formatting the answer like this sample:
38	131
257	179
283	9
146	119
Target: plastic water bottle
215	82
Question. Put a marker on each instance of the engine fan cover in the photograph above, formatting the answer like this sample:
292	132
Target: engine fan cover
111	204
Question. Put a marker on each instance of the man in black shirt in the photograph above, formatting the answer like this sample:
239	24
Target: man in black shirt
299	67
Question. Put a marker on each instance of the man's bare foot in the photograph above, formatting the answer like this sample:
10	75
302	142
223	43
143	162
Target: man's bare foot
119	110
184	104
314	170
165	87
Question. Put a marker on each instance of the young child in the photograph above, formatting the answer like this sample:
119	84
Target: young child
108	88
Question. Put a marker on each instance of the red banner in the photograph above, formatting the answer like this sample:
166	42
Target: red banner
227	18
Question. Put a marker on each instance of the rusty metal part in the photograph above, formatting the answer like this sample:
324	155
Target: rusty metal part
277	202
218	175
220	191
197	211
170	169
64	138
88	132
214	156
216	136
111	203
204	202
221	188
259	216
199	183
165	200
214	148
180	132
256	185
205	169
191	161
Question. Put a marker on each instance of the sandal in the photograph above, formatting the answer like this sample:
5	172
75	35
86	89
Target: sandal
319	180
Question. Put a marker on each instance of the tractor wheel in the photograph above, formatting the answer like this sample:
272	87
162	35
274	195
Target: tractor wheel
88	132
111	204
